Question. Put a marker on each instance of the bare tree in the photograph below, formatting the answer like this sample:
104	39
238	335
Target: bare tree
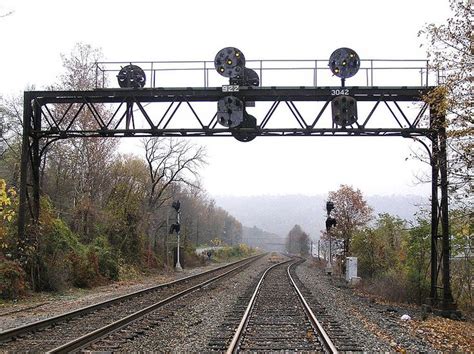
5	14
78	170
10	138
170	162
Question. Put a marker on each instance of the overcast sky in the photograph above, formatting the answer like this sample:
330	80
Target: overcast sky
33	37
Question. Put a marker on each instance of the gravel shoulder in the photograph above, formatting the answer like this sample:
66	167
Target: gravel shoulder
43	305
378	326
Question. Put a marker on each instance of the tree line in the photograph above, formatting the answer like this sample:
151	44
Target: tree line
103	212
394	254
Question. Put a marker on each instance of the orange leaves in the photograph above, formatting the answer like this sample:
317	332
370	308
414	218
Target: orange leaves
445	334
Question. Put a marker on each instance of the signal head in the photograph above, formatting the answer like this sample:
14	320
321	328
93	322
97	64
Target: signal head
344	63
249	78
176	205
344	110
230	111
247	130
131	76
230	62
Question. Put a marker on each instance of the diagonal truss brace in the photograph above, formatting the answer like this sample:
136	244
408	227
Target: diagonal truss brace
60	112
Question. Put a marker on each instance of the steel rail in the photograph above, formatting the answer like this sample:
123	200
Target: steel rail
14	332
239	331
327	342
92	337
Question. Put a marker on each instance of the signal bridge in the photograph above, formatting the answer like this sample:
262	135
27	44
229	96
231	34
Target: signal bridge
246	99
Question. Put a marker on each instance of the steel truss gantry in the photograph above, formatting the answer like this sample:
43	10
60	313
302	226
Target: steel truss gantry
53	115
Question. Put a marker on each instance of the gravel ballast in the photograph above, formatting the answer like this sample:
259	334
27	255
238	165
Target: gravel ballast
376	327
193	323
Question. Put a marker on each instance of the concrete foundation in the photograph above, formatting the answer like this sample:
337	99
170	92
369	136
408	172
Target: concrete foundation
354	281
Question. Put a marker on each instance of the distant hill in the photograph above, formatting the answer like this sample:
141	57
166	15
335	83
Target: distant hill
278	214
255	237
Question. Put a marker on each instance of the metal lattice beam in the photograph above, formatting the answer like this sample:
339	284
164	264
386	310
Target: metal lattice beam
60	110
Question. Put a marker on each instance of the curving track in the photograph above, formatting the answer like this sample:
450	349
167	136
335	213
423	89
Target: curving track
79	328
278	318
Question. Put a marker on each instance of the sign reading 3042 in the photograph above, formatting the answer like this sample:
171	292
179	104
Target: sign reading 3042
340	92
230	88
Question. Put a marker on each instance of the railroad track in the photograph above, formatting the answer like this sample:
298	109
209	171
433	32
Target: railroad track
341	339
81	328
275	316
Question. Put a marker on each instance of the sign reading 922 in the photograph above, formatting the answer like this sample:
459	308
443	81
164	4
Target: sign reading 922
340	92
230	88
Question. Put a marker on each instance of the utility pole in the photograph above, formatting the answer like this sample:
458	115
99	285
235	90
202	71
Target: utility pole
197	233
319	246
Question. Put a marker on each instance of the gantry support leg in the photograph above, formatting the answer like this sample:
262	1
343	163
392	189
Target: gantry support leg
448	306
433	300
24	167
29	171
36	163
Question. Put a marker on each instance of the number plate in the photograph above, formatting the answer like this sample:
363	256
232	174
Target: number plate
230	88
340	92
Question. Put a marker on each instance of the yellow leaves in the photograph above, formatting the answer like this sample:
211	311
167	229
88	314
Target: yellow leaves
437	98
7	201
216	242
12	192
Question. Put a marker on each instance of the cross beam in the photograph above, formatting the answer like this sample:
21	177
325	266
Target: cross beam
60	110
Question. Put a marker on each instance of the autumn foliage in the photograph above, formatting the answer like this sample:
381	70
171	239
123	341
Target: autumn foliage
12	275
394	255
104	215
351	212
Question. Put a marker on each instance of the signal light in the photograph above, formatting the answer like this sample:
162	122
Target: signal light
344	63
175	228
131	76
246	131
230	111
249	78
344	110
176	205
330	222
229	62
329	206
